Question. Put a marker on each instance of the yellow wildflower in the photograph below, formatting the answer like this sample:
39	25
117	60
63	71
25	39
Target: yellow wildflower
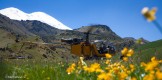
149	14
151	65
91	70
128	71
85	68
116	70
125	59
143	64
73	65
149	77
71	68
123	75
153	59
123	67
133	78
108	68
152	72
104	76
99	70
107	61
124	51
94	66
130	52
108	56
132	67
159	75
160	61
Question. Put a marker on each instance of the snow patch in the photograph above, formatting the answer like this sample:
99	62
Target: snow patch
16	14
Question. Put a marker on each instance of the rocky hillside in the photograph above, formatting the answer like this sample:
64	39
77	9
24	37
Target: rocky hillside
24	39
51	34
34	37
13	26
101	32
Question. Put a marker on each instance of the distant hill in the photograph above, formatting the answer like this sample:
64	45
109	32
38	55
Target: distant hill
45	31
129	38
101	32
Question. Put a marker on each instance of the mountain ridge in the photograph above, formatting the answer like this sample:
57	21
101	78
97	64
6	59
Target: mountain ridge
102	31
16	14
50	34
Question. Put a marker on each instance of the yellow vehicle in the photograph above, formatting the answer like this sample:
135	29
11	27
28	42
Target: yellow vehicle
86	49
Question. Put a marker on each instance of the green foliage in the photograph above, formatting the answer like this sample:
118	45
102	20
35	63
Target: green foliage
34	70
5	69
154	44
146	51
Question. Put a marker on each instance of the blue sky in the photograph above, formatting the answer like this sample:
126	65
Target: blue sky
122	16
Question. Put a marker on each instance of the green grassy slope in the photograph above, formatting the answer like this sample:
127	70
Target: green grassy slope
154	44
6	38
146	51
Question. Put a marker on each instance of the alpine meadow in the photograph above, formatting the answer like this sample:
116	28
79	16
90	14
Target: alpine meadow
80	40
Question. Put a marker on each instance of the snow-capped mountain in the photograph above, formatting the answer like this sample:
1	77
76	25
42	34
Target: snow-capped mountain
16	14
